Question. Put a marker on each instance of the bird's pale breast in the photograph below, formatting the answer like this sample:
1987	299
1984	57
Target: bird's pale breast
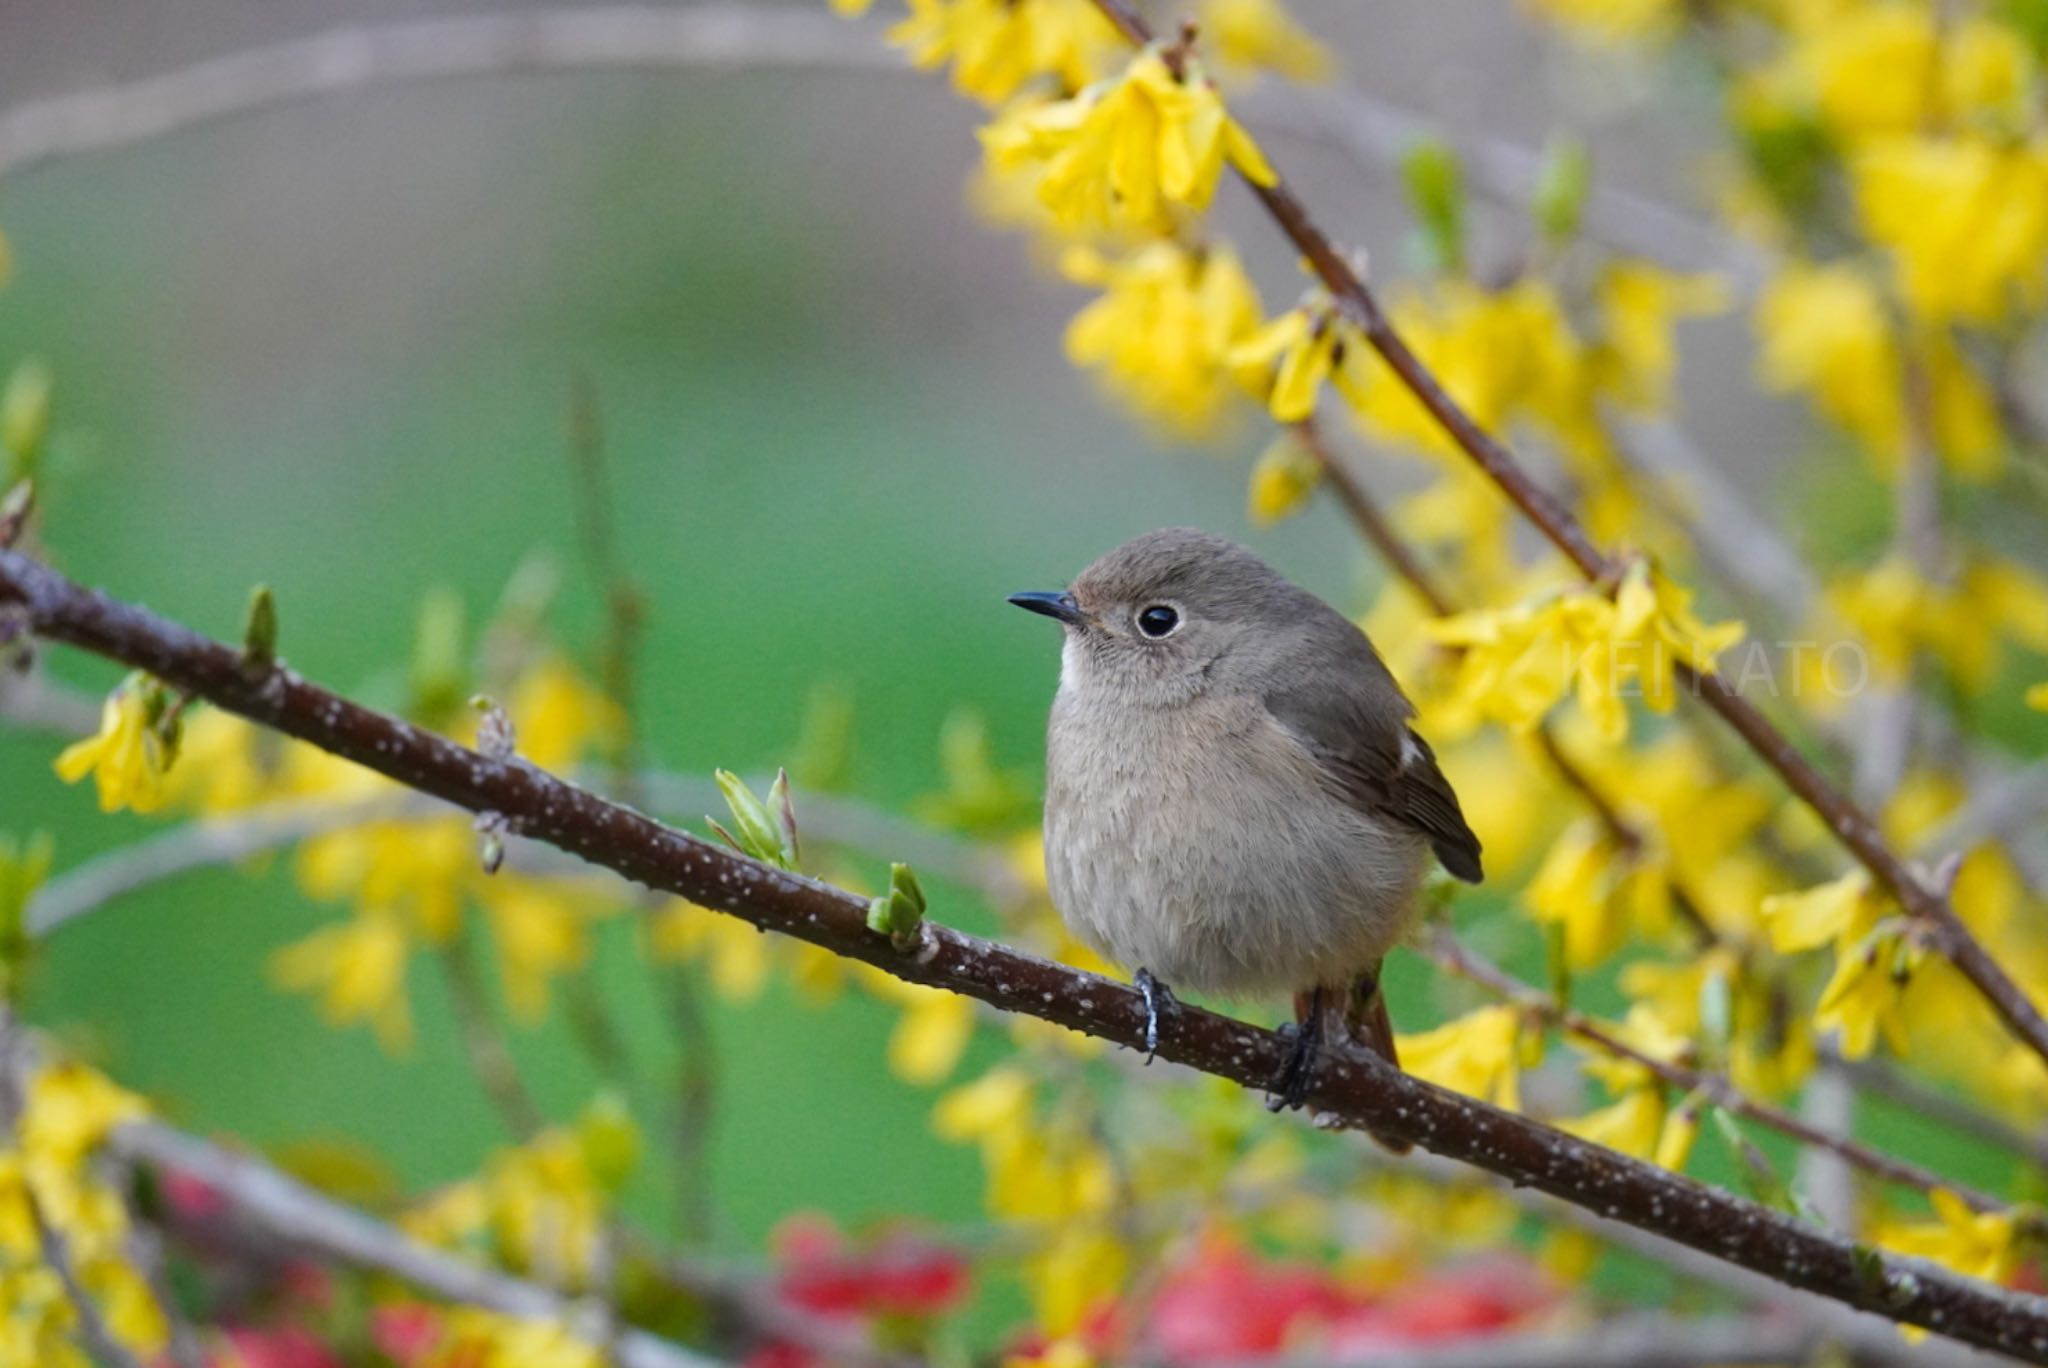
1198	842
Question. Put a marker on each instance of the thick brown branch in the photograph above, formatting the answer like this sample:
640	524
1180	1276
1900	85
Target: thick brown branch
1355	1091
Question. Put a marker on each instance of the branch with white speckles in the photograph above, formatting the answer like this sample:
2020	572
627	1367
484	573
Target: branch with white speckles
1351	1090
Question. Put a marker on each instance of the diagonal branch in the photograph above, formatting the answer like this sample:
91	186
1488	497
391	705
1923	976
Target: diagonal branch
729	36
1850	824
287	1210
1354	1091
1449	953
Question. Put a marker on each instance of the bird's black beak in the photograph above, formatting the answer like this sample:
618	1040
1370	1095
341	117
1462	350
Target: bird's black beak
1054	603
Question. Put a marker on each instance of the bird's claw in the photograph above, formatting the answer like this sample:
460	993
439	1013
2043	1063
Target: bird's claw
1290	1089
1159	1002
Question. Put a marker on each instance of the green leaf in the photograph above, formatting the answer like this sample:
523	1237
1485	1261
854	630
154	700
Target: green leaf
758	827
259	635
1760	1177
25	418
785	818
899	913
978	797
440	666
23	868
822	759
1436	187
609	1139
1562	185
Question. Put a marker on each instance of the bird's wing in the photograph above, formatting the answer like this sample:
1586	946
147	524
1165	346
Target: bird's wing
1353	718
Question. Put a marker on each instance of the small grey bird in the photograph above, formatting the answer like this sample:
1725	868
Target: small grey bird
1235	801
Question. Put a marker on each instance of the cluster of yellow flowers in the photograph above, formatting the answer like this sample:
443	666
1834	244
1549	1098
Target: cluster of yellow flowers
1054	1177
1916	129
545	1207
54	1203
1515	664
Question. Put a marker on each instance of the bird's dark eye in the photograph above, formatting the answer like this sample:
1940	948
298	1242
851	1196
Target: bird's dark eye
1157	620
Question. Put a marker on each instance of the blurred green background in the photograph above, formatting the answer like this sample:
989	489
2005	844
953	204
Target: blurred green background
331	348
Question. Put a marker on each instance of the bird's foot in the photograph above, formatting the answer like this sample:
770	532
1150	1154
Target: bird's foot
1159	1002
1290	1089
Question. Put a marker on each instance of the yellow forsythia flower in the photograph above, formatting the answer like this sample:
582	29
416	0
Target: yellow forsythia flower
850	9
130	755
475	1338
1965	220
357	966
1300	349
1973	1243
1963	623
544	1204
1639	304
1162	332
218	769
998	1102
560	718
998	46
540	929
1247	37
46	1170
1824	331
70	1110
1896	67
1133	151
2037	697
735	953
1866	992
1518	662
1505	355
1596	893
421	870
1057	1177
1478	1054
1283	478
1843	912
933	1031
1634	1125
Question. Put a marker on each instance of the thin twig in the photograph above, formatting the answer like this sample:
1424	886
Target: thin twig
1353	1090
301	1218
1373	131
218	840
1910	1094
144	1248
1644	1341
696	1099
1452	955
620	37
202	844
483	1039
32	700
1372	524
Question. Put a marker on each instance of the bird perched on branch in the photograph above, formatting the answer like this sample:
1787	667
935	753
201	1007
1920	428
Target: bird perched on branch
1235	801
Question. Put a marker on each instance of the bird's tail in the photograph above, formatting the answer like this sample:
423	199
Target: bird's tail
1367	1023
